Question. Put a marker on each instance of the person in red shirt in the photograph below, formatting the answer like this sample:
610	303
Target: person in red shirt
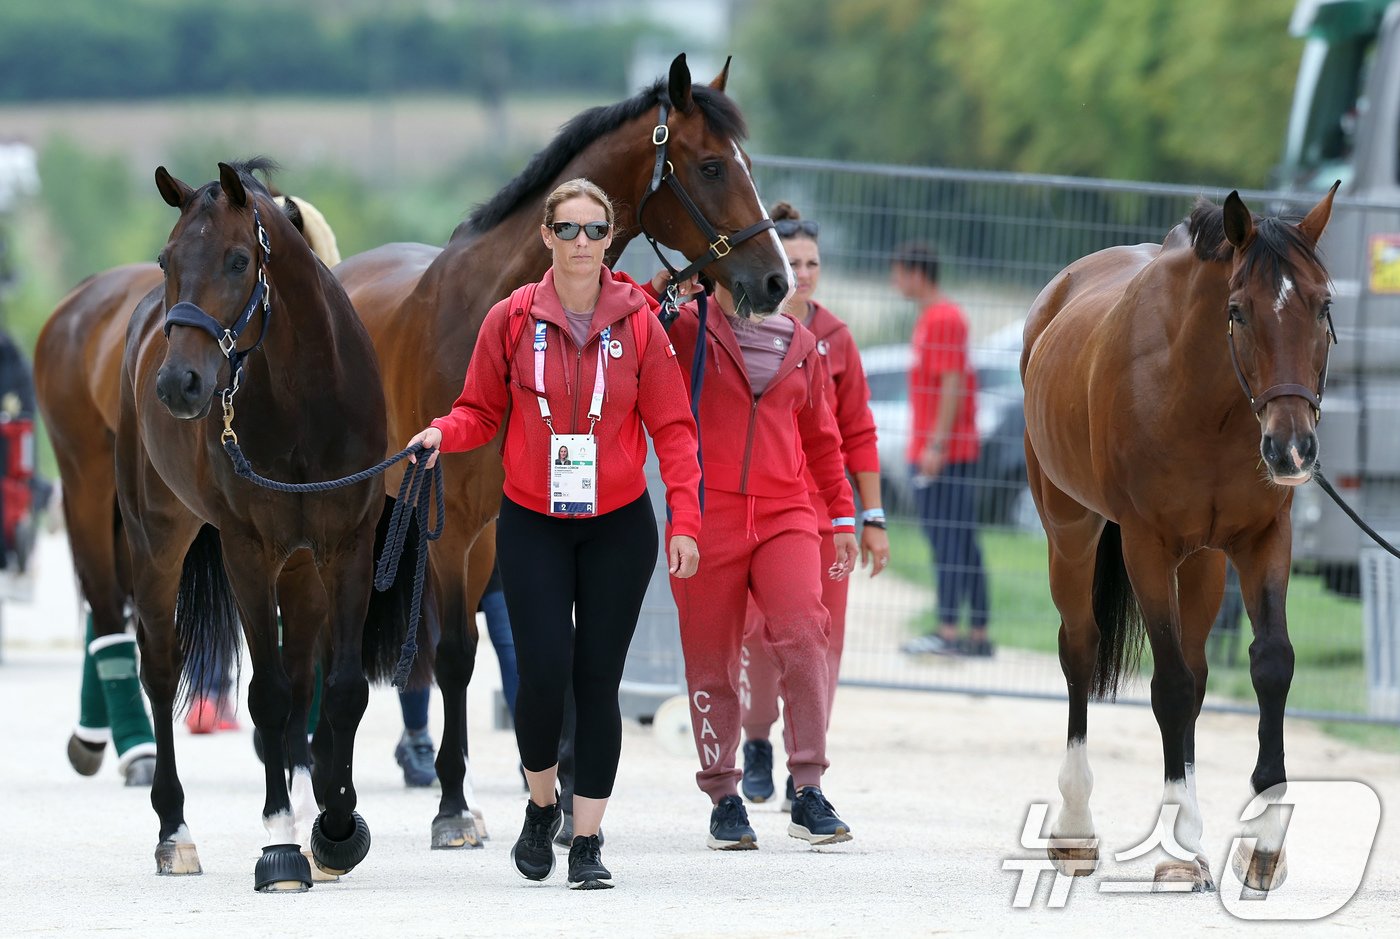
848	394
943	451
576	540
764	421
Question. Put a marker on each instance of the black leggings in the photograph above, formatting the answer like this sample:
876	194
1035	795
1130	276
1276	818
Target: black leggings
574	589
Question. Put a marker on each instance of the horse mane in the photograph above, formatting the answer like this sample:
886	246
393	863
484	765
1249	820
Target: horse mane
314	228
245	169
1277	242
722	117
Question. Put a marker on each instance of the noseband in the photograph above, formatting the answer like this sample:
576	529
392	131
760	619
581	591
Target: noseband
719	245
1285	389
185	313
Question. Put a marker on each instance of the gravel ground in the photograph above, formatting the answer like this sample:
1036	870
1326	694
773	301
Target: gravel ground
937	788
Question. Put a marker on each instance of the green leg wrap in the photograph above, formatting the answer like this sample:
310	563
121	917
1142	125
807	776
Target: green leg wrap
92	705
115	658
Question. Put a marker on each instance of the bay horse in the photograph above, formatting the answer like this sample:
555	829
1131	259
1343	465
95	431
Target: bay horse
77	369
208	550
1172	394
671	160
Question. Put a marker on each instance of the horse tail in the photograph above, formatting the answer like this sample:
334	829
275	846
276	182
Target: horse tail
206	620
1121	627
390	611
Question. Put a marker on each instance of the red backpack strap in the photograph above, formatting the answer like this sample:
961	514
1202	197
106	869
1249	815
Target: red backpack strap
522	300
641	332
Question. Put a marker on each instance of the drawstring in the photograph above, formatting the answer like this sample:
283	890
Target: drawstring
751	531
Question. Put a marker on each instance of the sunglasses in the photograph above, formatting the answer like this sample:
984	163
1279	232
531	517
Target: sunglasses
596	231
787	227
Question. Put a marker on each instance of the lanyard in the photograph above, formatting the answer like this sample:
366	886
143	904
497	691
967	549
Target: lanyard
595	406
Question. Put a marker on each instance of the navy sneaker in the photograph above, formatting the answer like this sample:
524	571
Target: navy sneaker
533	852
415	754
815	821
586	870
757	783
729	827
789	795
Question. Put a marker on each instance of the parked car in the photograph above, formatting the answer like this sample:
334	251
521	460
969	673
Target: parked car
1004	498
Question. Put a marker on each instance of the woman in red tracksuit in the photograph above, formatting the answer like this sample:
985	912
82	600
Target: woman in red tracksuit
581	372
849	397
764	419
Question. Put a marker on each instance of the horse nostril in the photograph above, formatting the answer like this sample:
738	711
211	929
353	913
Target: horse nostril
192	385
777	286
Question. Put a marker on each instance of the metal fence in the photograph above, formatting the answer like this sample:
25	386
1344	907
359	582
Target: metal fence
1000	238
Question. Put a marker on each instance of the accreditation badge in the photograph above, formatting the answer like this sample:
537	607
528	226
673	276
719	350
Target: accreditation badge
573	474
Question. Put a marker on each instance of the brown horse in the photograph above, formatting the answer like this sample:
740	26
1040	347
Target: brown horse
1172	392
202	541
423	306
77	384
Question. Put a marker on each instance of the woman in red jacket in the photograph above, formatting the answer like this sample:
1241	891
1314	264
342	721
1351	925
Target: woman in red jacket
576	537
764	421
849	398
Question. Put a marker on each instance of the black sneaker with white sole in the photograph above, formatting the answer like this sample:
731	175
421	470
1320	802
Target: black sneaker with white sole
533	852
586	870
565	836
729	827
815	821
789	794
757	784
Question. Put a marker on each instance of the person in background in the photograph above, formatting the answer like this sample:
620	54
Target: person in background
849	398
943	451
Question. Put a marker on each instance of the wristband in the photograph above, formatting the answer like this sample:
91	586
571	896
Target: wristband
875	523
873	515
847	523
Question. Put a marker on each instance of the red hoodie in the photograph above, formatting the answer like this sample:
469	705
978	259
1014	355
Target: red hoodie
848	393
651	393
762	445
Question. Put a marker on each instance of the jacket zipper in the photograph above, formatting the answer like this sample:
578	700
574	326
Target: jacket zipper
748	446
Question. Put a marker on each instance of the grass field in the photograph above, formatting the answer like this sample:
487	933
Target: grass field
1326	630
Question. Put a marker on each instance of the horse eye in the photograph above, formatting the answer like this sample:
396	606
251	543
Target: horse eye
1236	314
1326	311
160	259
712	170
240	264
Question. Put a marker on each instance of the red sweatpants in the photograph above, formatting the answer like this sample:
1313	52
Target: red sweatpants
767	547
758	673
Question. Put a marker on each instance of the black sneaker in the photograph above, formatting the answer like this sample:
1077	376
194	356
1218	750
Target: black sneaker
533	852
586	870
758	771
415	754
565	837
815	821
729	827
975	648
789	795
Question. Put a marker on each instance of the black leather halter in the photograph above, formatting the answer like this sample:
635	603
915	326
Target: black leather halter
1284	389
719	245
185	313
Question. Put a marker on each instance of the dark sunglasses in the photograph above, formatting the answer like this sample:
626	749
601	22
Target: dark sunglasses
787	227
596	231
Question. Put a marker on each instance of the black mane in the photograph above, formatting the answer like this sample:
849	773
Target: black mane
1276	239
721	115
245	170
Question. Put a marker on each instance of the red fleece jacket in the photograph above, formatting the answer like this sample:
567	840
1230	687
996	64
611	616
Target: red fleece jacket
650	392
848	392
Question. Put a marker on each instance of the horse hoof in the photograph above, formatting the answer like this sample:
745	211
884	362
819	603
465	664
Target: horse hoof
141	771
282	869
1259	871
317	875
339	857
177	858
85	757
480	825
1074	857
455	831
1176	876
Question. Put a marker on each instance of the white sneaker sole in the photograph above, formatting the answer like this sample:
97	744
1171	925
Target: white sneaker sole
746	843
800	832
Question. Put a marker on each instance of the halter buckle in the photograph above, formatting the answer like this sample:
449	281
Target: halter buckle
660	134
227	342
721	242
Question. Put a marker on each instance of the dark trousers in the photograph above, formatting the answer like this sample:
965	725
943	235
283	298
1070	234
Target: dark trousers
947	509
574	590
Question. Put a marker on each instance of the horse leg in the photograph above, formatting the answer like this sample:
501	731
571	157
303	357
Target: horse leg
1153	572
1264	566
302	601
454	826
340	837
1073	536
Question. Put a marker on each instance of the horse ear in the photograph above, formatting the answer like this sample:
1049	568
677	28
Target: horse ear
1316	220
679	86
722	78
1239	223
292	211
233	185
174	192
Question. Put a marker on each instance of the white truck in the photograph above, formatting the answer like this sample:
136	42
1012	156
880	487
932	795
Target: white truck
1345	124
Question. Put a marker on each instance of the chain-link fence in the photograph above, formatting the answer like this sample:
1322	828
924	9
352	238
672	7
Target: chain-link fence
1000	239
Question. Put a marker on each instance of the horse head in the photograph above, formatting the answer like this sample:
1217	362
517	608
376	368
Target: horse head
699	161
215	280
1280	330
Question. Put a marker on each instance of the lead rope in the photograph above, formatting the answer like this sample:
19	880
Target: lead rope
1327	488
